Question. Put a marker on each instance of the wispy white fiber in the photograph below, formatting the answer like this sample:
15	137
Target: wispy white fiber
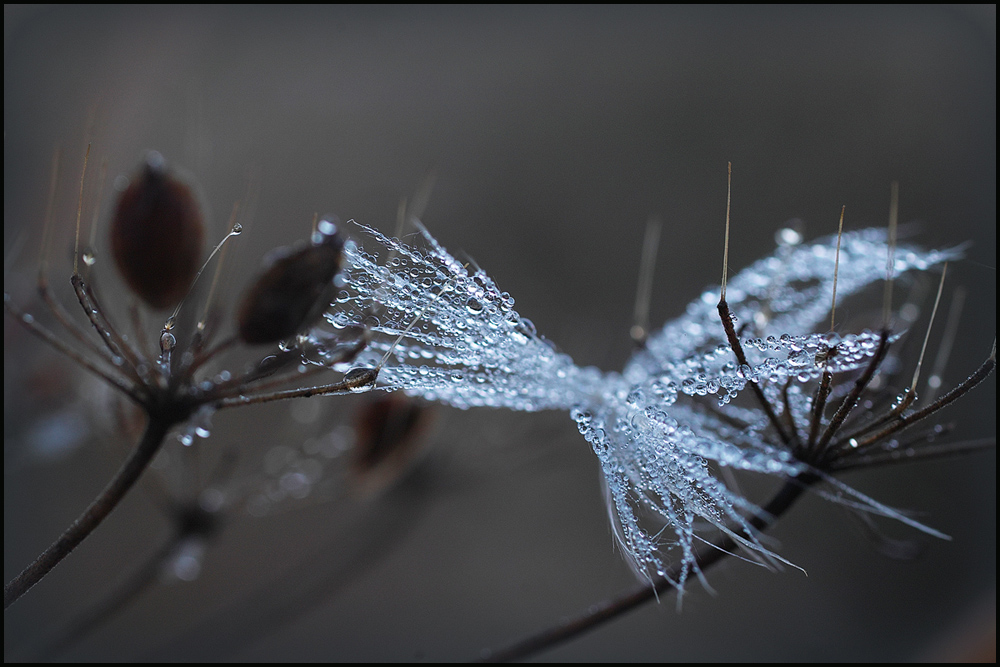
660	452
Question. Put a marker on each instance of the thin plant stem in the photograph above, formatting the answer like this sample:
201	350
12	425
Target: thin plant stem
910	393
819	403
705	556
107	333
978	376
79	213
204	357
644	290
905	454
352	385
727	322
947	343
734	343
851	400
67	322
99	509
130	589
788	415
261	384
823	391
59	345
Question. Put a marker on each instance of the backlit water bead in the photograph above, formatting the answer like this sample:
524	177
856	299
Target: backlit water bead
635	398
360	379
786	236
167	341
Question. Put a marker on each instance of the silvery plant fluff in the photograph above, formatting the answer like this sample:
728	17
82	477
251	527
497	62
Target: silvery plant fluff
445	332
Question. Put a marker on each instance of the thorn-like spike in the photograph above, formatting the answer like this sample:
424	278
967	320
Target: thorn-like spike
927	335
422	197
92	238
235	229
43	262
725	252
947	344
890	265
79	212
836	267
644	290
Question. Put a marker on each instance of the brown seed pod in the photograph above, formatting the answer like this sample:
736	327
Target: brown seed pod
293	290
157	235
391	433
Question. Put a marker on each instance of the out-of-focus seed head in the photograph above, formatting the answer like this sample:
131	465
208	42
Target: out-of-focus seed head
391	434
293	291
157	235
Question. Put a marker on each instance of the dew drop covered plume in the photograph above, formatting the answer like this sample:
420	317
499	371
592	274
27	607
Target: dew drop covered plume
461	342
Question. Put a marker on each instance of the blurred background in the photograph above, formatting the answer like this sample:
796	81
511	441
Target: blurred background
554	133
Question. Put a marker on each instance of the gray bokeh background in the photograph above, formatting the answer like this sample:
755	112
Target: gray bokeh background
554	133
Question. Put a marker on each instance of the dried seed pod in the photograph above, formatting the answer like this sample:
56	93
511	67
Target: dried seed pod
391	434
293	290
157	235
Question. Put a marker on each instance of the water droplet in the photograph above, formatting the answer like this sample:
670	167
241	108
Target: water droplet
361	379
237	229
167	341
212	500
326	227
295	484
474	306
634	398
787	237
156	161
909	312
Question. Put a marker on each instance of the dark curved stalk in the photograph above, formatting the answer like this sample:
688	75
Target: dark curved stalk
910	454
99	509
734	342
705	556
851	400
93	617
961	390
48	337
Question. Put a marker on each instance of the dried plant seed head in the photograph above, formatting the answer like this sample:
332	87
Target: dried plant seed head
391	434
157	235
294	289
